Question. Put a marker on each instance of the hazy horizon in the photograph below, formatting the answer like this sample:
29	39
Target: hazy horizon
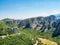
22	9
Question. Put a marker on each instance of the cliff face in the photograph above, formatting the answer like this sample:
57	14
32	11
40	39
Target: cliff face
57	31
39	23
43	23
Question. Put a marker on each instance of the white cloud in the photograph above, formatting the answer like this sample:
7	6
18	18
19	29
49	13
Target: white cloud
53	12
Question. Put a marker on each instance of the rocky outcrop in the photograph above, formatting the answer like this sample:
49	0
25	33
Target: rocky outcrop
11	21
12	30
39	23
57	31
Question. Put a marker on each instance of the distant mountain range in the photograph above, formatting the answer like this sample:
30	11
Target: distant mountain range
37	23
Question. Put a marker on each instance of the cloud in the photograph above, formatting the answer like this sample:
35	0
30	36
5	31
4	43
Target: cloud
53	12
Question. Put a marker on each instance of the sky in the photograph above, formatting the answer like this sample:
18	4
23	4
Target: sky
22	9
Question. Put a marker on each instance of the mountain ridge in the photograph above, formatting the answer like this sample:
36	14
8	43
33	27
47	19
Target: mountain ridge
38	23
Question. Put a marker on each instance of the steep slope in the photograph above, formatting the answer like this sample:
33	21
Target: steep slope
39	23
2	25
57	31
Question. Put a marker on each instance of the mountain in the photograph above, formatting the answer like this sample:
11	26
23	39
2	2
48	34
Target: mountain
37	23
57	30
27	31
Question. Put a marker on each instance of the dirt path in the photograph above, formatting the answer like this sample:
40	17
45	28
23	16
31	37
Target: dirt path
47	42
36	42
9	35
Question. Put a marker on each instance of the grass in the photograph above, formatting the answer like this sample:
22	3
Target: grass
26	36
3	26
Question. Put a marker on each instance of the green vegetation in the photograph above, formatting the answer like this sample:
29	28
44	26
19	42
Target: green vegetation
25	38
12	25
6	28
3	26
28	37
16	40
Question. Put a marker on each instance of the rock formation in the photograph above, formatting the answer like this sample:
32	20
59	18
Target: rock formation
57	31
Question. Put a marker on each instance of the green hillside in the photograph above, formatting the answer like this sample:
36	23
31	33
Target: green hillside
28	37
3	26
12	25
